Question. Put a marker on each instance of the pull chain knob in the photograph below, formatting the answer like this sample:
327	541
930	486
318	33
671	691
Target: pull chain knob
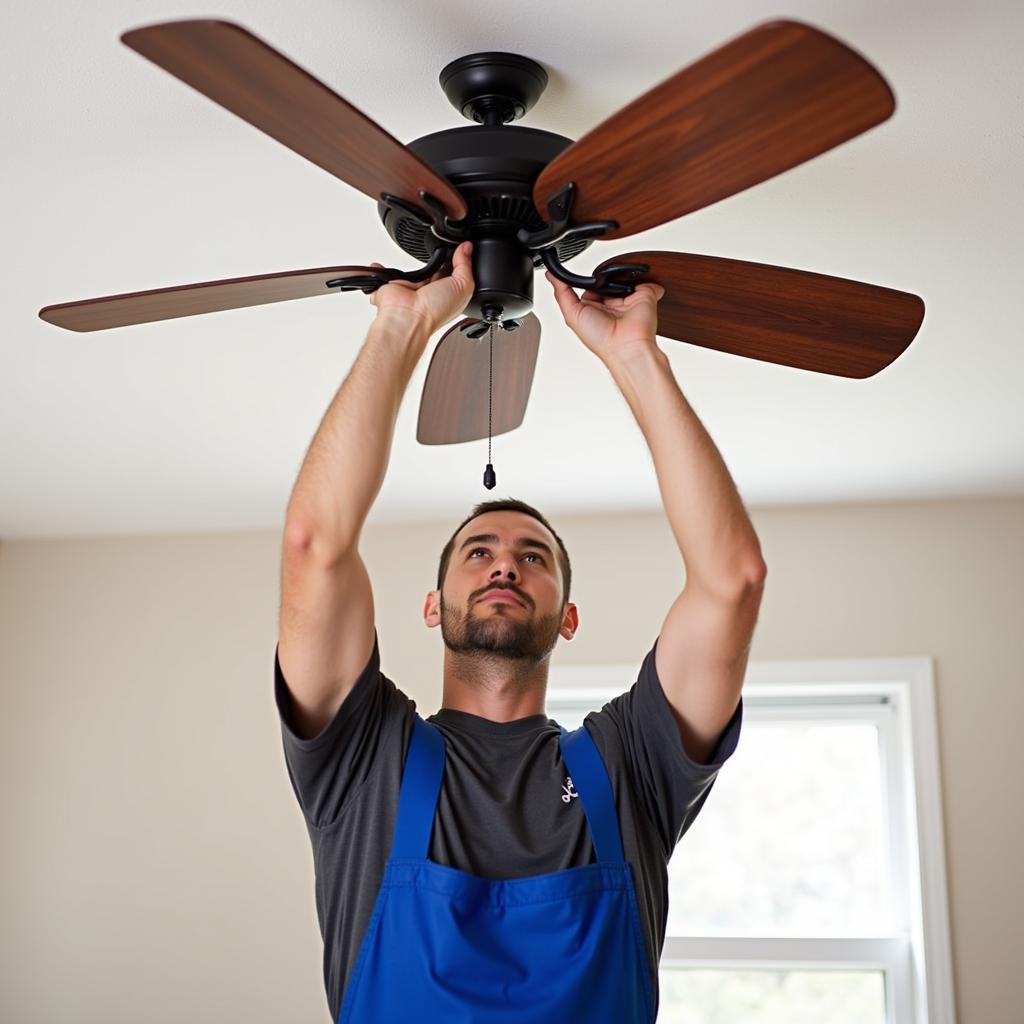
490	478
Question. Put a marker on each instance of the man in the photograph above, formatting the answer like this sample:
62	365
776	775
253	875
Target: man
484	865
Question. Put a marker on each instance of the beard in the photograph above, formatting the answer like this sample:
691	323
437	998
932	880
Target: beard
498	634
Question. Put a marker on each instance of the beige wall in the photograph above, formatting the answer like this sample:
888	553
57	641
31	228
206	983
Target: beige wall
156	867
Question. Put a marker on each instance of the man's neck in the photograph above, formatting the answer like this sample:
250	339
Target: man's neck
489	686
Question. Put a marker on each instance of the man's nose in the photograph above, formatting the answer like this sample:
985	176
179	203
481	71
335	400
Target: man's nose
504	567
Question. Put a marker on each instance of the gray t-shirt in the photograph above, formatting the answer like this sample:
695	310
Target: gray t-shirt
506	808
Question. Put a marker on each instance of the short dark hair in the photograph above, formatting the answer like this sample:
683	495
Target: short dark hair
510	505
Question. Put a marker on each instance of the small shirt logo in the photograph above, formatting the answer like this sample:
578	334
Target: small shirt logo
568	791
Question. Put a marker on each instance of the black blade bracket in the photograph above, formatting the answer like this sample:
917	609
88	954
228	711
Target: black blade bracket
379	276
559	229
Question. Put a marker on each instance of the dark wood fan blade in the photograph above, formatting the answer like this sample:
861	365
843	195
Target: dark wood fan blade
769	100
190	299
251	79
778	315
453	406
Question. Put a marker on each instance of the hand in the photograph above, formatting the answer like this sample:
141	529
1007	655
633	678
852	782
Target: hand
611	326
431	303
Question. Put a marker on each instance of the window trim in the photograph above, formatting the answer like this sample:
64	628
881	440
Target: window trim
918	966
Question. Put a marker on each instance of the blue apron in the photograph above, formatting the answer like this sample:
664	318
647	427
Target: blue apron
443	945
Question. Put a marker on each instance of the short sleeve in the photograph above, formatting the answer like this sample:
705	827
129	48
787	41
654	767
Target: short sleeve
640	727
328	769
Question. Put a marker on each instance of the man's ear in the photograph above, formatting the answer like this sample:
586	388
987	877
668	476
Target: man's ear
432	609
570	622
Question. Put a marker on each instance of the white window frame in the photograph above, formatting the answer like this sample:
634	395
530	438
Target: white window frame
900	698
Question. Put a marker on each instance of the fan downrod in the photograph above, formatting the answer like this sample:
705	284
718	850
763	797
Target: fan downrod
493	88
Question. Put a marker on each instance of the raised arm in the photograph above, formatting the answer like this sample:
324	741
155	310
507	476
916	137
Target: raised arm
327	617
705	639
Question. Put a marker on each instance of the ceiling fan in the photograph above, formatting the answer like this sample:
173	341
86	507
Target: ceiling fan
775	96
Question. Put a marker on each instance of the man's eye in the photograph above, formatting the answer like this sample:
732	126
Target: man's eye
531	554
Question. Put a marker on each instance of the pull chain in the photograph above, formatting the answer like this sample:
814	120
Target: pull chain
490	478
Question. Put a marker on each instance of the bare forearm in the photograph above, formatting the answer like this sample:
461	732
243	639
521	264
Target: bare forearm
345	465
710	524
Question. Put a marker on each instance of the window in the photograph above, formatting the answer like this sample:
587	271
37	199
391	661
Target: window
811	889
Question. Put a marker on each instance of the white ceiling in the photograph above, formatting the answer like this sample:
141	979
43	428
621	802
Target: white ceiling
117	177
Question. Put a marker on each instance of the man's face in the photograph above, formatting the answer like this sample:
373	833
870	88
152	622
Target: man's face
503	589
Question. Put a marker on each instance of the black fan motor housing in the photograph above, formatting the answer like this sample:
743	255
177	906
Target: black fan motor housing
493	167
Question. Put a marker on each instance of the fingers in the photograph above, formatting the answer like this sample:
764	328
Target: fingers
461	256
462	263
658	291
566	298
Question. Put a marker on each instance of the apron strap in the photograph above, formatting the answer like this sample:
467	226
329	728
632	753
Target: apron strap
590	779
424	772
421	784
